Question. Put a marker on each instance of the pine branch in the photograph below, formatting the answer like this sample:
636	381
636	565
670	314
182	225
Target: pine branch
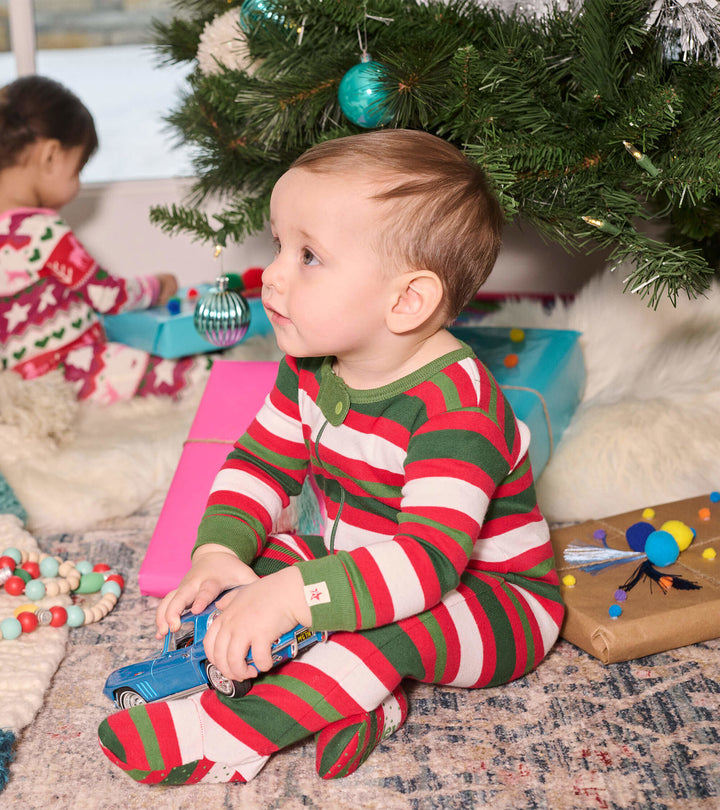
577	114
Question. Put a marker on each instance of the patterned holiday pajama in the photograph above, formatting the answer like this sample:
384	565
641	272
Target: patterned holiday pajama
51	290
486	632
435	565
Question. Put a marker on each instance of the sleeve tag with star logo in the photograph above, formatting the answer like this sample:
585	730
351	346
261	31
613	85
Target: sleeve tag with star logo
317	593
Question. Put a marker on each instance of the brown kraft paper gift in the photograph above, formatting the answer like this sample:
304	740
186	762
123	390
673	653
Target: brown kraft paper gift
651	621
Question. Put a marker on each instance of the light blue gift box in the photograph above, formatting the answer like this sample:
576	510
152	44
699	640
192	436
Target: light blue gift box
158	331
546	385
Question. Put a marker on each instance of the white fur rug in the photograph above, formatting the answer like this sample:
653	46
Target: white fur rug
74	465
647	430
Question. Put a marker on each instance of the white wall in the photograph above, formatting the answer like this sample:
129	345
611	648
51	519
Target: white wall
111	219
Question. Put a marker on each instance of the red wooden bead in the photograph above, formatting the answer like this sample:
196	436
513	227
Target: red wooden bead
59	616
7	562
29	621
32	568
101	567
15	585
116	578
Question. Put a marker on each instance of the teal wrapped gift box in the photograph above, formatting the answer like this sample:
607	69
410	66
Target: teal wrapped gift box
544	388
544	381
168	335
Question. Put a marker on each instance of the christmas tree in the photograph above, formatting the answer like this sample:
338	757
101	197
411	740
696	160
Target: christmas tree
597	123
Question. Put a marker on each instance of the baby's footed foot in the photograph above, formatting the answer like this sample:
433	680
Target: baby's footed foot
344	745
177	742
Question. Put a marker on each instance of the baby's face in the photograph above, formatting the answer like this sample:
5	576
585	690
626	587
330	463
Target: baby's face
326	292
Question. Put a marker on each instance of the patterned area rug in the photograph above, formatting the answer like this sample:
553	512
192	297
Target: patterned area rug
573	734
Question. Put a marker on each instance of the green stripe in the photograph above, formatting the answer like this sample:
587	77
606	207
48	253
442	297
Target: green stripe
445	570
541	569
270	720
438	642
271	462
449	390
501	627
109	739
462	445
142	722
376	489
181	774
373	507
227	531
545	590
527	631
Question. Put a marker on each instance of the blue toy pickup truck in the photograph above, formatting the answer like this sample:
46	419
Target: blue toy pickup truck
182	667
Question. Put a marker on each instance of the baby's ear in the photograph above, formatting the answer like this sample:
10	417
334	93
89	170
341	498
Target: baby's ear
418	295
46	152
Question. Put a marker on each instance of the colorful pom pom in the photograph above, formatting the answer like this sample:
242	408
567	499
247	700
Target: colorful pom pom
661	548
682	533
637	534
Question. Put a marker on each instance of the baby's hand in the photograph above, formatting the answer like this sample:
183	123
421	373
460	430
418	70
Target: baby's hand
168	287
255	616
215	568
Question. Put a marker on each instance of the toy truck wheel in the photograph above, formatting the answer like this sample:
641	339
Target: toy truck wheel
127	698
225	685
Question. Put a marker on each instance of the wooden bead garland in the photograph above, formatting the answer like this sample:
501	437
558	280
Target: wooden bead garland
37	575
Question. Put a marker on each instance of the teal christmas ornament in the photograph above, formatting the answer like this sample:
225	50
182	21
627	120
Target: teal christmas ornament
222	316
362	95
253	12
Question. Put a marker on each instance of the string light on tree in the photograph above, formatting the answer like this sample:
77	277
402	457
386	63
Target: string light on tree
602	225
642	160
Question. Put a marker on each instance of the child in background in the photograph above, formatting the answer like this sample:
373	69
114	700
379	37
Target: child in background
435	563
50	287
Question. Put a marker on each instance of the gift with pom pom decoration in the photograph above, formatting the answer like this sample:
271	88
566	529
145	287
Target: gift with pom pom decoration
661	597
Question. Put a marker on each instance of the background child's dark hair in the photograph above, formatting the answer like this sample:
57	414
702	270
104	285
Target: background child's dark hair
35	107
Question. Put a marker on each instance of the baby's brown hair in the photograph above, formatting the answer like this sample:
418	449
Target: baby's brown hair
35	107
442	217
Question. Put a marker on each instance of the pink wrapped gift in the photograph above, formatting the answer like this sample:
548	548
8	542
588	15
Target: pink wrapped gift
233	395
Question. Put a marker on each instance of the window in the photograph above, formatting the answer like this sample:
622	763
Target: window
102	50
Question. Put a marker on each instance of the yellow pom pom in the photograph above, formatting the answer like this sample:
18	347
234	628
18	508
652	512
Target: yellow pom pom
648	514
709	554
682	533
569	581
517	335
